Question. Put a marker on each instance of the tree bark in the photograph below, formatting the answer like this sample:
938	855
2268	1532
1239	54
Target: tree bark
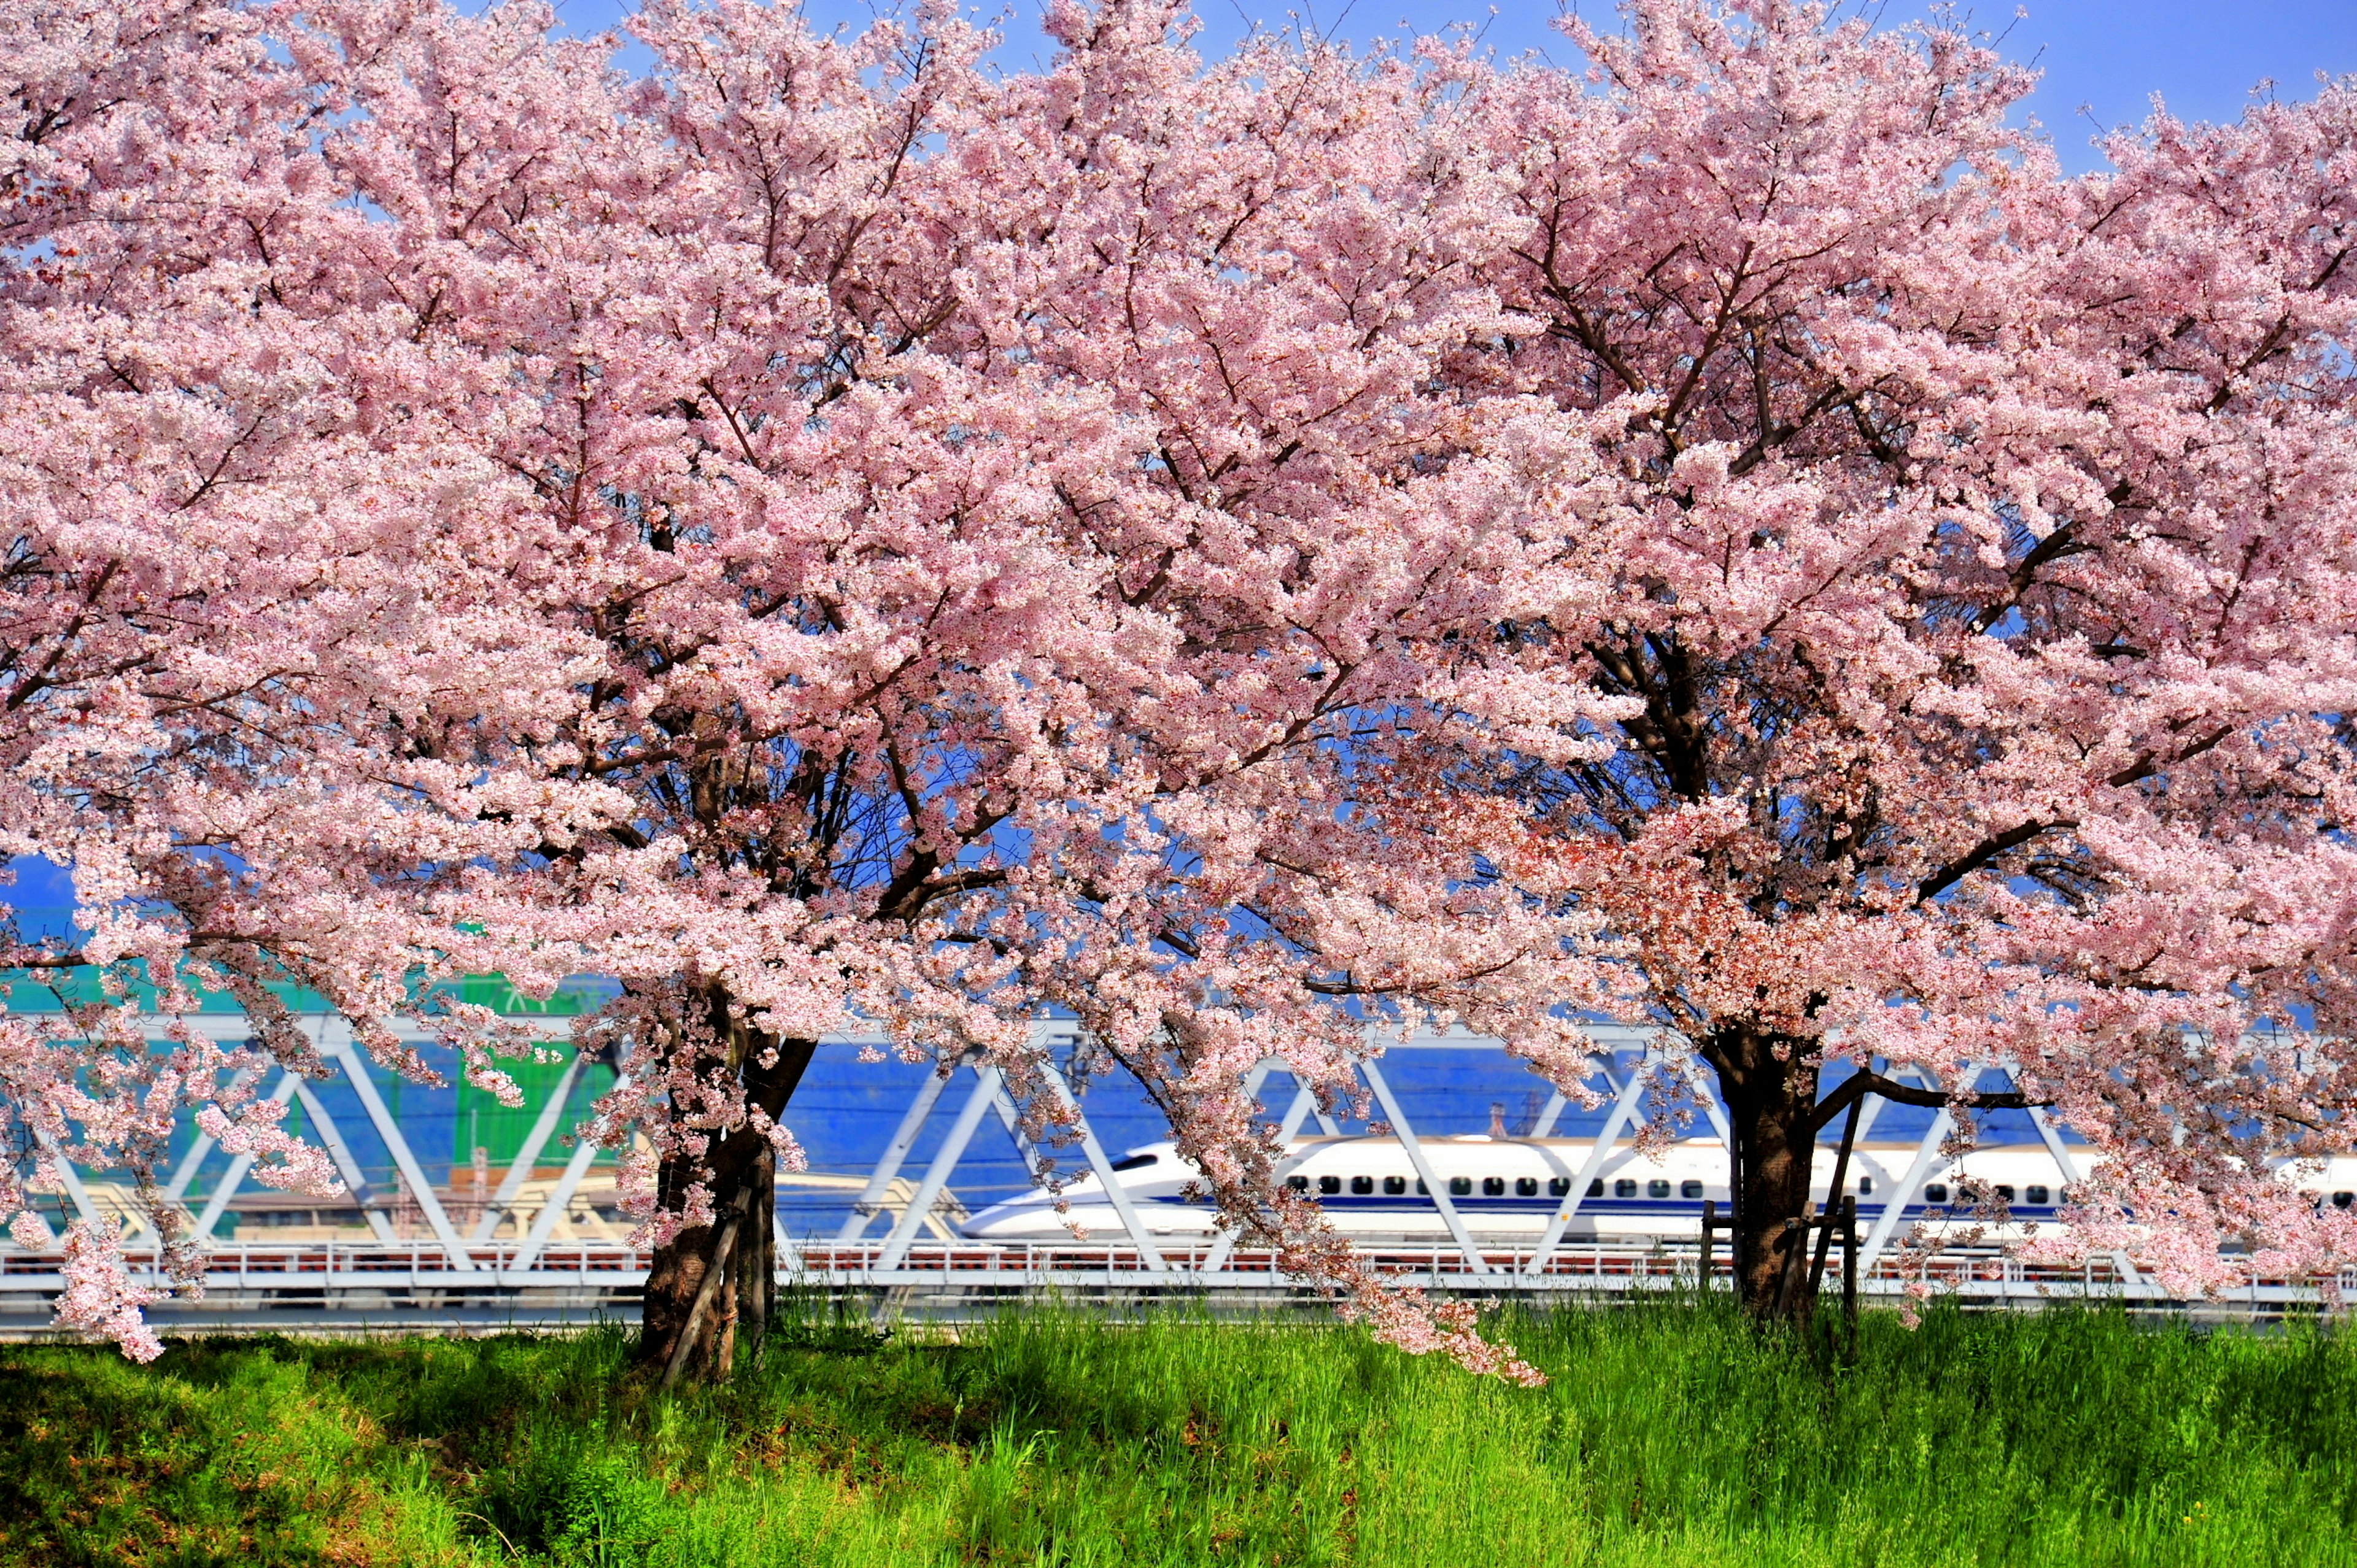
1771	1088
741	1171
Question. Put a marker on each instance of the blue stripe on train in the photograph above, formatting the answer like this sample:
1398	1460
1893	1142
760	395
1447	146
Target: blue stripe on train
1671	1207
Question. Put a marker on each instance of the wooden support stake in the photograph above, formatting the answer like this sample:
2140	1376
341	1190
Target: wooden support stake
1795	1240
707	1290
1850	1266
1834	1194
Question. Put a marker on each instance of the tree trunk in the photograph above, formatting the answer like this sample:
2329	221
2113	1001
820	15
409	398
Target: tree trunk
1771	1099
686	1329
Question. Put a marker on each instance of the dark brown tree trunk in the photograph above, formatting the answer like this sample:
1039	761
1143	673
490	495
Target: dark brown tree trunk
1771	1092
711	1290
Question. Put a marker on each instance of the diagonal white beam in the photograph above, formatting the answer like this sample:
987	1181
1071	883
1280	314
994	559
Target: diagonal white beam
355	1066
1295	1113
1551	1113
1424	1172
2052	1137
1624	1111
904	1138
1706	1094
1305	1104
1002	1105
186	1171
1094	1151
202	1145
937	1174
559	1200
543	1127
355	1179
69	1178
281	1092
1927	1156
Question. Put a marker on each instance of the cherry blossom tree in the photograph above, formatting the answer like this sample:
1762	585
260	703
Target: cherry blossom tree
1974	547
953	546
1245	553
1014	519
237	557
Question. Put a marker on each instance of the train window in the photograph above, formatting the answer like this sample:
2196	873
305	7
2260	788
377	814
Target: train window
1689	1189
1460	1186
1657	1189
1935	1192
2004	1193
1865	1186
1526	1186
2038	1194
1422	1190
1967	1194
1596	1188
2343	1199
1330	1184
1624	1187
1493	1187
1297	1183
1135	1162
1395	1184
1362	1185
1559	1186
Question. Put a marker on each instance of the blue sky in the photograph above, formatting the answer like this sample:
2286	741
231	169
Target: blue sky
2106	58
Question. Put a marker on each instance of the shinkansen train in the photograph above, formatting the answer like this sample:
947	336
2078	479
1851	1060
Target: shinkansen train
1509	1189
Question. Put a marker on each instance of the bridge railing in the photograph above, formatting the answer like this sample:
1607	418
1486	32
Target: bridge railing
562	1282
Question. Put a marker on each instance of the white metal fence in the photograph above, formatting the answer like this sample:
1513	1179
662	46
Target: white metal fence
394	1285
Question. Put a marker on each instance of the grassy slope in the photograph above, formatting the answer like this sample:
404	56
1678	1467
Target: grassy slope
1669	1437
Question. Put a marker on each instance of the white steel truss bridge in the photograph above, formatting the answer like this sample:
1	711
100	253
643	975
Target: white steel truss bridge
529	1254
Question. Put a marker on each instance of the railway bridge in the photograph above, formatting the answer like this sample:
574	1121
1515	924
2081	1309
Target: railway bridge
434	1234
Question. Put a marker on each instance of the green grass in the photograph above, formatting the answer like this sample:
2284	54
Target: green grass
1670	1436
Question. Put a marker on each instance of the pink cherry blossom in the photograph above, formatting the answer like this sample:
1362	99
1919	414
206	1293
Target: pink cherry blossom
1250	554
1975	546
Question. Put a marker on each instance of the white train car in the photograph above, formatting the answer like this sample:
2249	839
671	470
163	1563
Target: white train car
1506	1190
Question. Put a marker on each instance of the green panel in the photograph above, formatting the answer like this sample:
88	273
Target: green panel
32	994
494	990
482	1122
40	994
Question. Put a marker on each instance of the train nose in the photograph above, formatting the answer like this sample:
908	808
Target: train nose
1014	1214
